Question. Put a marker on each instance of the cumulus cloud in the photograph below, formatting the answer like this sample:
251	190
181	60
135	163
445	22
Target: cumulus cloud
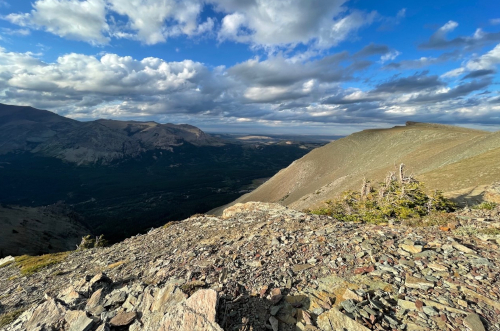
322	23
72	19
285	22
148	18
77	80
274	91
95	21
439	39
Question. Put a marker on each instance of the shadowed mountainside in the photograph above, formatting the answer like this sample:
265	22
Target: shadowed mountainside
101	141
28	230
444	157
123	177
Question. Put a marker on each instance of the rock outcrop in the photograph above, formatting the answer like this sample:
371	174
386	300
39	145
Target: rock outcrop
267	267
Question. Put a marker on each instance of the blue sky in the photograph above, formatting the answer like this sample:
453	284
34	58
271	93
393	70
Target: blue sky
283	66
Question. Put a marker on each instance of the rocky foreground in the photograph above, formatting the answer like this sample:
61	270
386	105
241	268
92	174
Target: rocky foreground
265	267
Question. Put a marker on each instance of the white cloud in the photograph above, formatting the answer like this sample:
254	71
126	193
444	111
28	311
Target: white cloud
16	32
495	21
449	26
439	39
266	23
401	14
290	22
72	19
453	73
111	74
332	35
487	61
231	28
19	19
148	18
389	56
275	91
149	21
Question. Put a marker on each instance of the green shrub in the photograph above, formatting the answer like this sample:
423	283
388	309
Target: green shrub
485	206
403	198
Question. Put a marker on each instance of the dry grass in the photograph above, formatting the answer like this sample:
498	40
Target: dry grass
32	264
6	264
443	157
491	231
10	317
116	264
169	224
433	219
466	231
485	206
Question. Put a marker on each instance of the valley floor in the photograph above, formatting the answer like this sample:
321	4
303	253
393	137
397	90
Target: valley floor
264	266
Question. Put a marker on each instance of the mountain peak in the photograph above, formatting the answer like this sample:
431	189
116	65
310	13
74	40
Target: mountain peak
45	133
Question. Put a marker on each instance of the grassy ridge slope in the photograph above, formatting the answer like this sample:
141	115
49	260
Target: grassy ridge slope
443	157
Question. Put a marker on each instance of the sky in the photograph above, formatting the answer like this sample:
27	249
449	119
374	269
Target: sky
256	66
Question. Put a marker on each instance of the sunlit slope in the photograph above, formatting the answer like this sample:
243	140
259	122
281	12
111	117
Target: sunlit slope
444	157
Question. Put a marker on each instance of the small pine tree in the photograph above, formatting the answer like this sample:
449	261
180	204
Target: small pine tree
401	197
89	242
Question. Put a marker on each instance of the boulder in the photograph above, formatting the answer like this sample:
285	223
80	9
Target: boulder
196	313
333	320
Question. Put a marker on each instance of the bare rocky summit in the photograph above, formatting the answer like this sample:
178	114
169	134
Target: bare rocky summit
268	267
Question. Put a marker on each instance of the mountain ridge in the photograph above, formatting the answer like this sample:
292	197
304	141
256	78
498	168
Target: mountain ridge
42	132
424	148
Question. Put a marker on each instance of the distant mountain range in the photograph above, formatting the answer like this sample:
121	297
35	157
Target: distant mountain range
121	177
459	161
101	141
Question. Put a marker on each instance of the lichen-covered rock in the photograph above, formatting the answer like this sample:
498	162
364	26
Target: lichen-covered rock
49	315
196	313
333	320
